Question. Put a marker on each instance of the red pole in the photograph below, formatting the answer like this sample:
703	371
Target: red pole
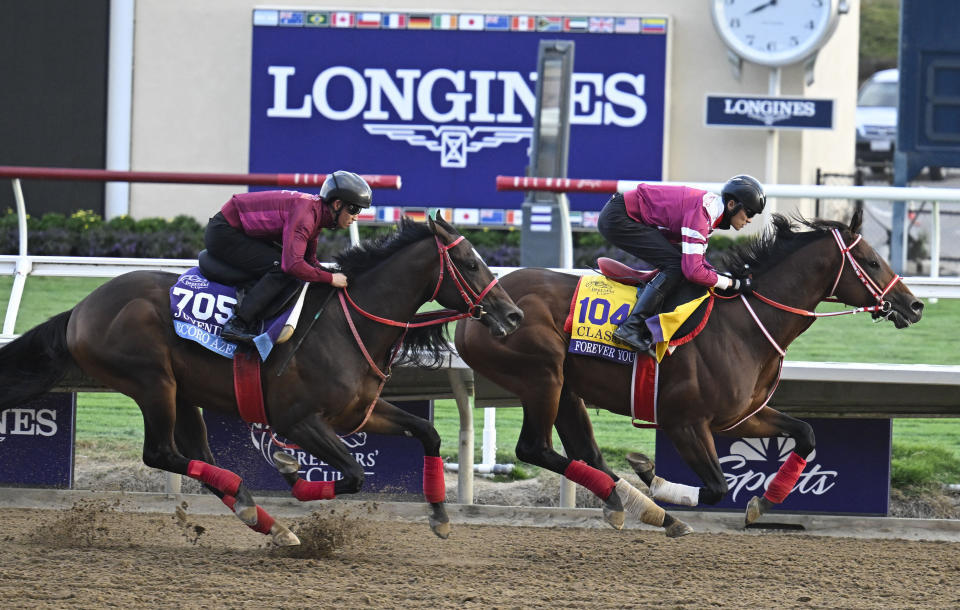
377	181
560	185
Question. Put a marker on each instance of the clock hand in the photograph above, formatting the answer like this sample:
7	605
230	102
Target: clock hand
762	6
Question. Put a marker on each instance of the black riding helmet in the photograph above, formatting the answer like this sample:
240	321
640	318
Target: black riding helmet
349	188
747	192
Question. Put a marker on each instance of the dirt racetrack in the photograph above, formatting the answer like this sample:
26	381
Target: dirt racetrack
93	556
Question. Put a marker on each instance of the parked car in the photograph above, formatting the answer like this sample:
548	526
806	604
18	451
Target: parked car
877	123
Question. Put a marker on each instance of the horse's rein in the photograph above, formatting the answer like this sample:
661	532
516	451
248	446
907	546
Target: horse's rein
470	297
882	306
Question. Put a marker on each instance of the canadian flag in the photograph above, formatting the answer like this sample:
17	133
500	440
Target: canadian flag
343	20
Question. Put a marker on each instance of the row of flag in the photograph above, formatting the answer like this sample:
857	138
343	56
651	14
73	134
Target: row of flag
466	216
449	21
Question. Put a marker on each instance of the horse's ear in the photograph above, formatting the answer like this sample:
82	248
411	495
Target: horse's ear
441	229
856	223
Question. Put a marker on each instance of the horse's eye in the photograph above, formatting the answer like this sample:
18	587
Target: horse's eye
875	264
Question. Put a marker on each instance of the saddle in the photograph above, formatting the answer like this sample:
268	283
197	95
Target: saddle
221	272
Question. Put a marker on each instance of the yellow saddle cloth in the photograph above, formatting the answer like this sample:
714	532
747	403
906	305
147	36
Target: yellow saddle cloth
600	304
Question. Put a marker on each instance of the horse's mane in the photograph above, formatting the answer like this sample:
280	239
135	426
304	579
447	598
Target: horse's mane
776	243
426	345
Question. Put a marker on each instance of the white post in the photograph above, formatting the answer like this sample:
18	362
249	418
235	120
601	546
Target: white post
773	138
465	465
935	245
568	489
119	105
489	437
23	265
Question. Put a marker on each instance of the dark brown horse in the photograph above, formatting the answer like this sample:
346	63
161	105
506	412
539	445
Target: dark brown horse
718	383
122	335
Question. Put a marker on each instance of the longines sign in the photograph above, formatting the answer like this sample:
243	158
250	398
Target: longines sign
769	112
447	101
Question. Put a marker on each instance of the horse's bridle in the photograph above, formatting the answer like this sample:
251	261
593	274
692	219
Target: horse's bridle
882	308
470	297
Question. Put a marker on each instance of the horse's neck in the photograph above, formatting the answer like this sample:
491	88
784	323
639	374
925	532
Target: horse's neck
794	283
395	289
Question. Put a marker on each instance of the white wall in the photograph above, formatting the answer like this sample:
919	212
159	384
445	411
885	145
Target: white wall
192	80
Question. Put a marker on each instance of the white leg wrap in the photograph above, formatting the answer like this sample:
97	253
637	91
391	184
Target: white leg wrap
639	505
674	493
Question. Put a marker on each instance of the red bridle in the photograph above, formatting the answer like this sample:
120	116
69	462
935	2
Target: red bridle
882	306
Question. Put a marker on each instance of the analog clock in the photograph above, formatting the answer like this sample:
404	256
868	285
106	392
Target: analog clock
775	32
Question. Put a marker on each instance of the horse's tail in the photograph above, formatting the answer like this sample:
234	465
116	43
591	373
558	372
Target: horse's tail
35	361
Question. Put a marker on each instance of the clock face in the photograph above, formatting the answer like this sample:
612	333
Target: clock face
774	32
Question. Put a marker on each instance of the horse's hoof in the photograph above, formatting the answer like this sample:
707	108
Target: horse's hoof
615	518
282	536
755	508
643	466
440	528
285	463
677	529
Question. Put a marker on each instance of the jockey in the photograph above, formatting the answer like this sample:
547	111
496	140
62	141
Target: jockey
668	226
273	235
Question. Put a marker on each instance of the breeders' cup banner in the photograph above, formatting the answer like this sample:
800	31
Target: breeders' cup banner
447	100
36	442
848	472
769	112
391	464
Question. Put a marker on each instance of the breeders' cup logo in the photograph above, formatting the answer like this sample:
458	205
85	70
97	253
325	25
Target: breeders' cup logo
463	111
769	111
266	442
762	453
197	282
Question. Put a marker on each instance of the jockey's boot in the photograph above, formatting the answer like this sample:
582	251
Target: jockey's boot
634	331
243	326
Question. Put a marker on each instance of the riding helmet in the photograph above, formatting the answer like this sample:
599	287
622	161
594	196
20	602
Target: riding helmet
347	187
747	192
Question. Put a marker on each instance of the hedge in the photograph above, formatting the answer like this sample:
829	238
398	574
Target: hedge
85	233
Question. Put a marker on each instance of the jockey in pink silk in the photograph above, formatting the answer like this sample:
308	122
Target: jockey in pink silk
668	227
273	236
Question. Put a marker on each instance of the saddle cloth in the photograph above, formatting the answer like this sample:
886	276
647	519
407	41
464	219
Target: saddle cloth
200	307
600	304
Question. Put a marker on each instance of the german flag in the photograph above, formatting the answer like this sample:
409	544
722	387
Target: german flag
420	22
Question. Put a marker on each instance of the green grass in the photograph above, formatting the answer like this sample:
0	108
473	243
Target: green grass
924	449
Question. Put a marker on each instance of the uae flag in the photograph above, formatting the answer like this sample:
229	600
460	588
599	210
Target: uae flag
395	21
471	22
523	23
343	20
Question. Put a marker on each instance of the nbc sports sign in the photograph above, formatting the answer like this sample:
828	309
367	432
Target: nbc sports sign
447	101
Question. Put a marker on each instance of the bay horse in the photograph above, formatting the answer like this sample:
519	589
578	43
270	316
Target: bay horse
718	383
324	381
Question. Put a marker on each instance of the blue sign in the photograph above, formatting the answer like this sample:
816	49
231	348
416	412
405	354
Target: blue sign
769	112
849	472
391	464
36	442
447	101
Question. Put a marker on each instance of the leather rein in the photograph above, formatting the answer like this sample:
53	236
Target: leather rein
882	306
470	297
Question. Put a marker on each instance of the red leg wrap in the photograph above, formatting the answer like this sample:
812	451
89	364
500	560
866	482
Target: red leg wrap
313	490
595	480
434	487
218	478
783	482
264	520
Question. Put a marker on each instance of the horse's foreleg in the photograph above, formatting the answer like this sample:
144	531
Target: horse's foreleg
389	419
769	423
576	433
190	435
317	438
695	445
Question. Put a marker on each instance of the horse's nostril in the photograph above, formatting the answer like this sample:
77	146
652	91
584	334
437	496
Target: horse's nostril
515	317
917	306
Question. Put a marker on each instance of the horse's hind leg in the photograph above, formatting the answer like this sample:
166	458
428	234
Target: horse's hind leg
190	436
768	423
389	419
535	447
576	433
